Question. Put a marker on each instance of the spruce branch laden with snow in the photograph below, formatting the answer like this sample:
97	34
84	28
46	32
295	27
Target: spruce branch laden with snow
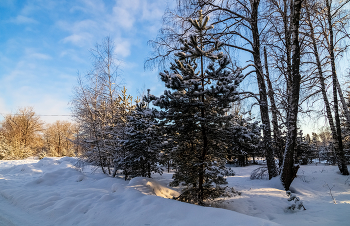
298	204
200	89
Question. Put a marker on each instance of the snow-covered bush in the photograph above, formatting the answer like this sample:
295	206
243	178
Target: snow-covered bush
42	155
212	196
260	173
224	199
11	152
298	204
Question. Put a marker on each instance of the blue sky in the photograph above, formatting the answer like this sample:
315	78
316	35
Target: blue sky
45	43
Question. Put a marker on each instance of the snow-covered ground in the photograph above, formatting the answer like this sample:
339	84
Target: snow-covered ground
53	191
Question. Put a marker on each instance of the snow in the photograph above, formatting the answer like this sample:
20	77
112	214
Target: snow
149	186
53	191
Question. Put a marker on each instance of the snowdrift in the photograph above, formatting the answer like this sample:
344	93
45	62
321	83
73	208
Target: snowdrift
53	192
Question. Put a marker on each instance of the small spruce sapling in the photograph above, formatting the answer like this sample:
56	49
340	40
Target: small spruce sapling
297	202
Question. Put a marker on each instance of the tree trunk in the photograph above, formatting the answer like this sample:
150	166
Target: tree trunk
342	100
287	34
323	86
288	169
274	111
264	111
340	153
205	140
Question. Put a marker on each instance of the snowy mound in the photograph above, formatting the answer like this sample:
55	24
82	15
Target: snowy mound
53	192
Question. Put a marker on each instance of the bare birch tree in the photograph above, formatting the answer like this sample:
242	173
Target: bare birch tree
94	105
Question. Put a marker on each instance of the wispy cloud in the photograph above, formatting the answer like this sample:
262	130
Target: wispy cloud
122	47
72	54
39	67
78	39
118	22
7	3
41	56
20	19
32	54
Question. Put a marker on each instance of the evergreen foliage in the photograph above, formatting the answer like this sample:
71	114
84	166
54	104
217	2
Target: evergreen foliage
195	115
142	142
298	204
303	149
118	133
245	136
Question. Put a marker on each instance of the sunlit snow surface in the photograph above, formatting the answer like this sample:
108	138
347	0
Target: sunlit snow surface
53	191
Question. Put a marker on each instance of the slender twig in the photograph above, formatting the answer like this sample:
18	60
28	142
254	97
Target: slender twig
330	191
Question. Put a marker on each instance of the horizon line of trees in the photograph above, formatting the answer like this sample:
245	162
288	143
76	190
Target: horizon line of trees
24	134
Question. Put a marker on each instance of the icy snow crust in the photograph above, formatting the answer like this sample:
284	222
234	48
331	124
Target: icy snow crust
53	191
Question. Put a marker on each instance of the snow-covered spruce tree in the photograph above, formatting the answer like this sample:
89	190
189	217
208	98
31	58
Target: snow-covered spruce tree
245	137
303	149
194	109
117	133
297	202
142	142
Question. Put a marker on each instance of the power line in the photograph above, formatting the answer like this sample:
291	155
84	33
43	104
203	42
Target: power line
36	115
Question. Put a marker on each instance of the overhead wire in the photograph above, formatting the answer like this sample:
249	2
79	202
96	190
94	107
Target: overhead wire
35	115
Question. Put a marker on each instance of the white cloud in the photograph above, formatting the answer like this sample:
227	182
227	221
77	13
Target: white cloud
125	13
23	20
82	32
32	54
29	81
72	54
153	10
123	21
122	47
37	6
40	56
77	39
7	3
122	17
89	7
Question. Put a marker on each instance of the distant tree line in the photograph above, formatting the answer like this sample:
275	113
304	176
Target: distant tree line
24	134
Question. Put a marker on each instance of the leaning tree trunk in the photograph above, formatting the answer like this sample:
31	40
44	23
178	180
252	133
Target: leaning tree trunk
340	153
274	111
288	170
322	83
342	100
288	50
264	111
